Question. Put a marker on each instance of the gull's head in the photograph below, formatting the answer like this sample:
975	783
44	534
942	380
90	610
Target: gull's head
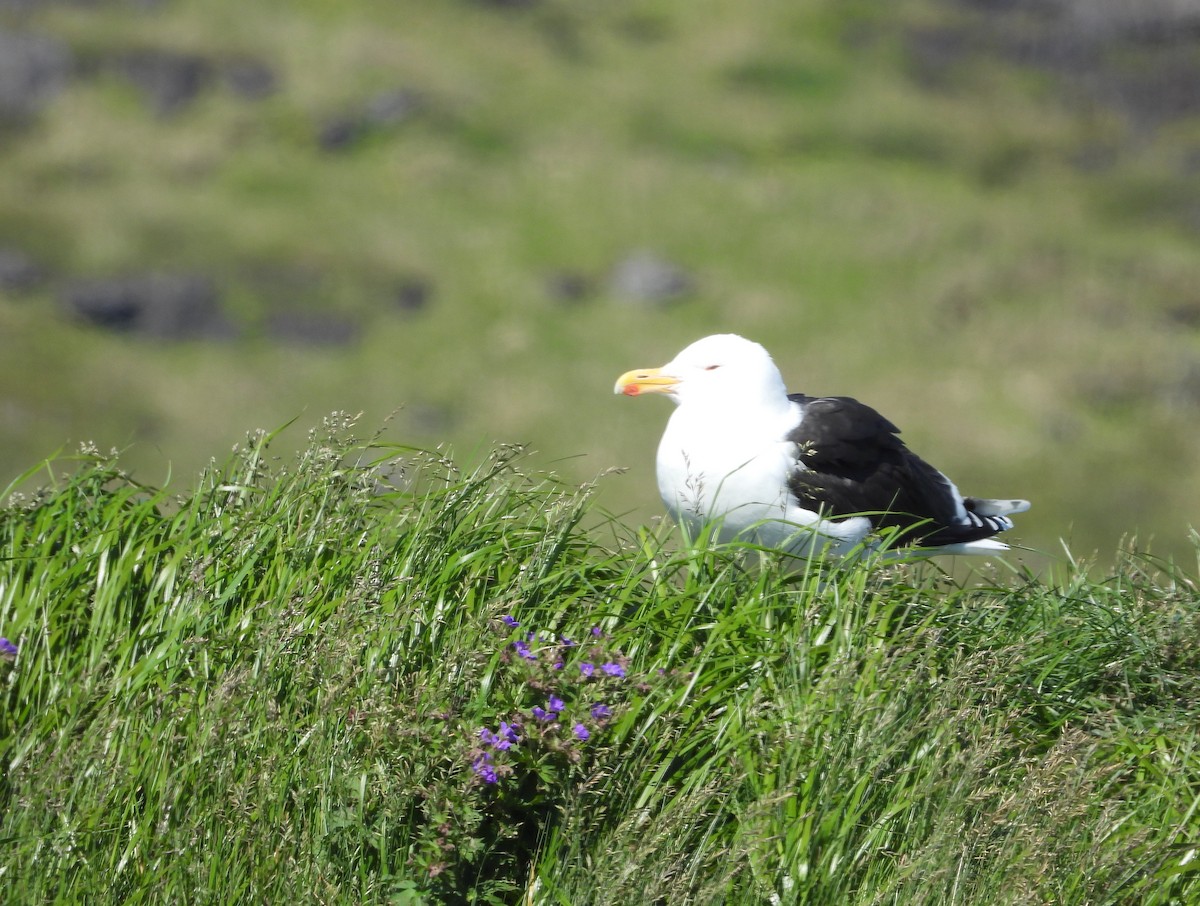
724	369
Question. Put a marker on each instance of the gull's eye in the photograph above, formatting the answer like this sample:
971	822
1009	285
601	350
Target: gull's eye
712	367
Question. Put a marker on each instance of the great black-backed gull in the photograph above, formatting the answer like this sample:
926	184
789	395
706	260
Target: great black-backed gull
802	474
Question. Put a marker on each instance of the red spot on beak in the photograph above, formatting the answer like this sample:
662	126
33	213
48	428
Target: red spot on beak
631	390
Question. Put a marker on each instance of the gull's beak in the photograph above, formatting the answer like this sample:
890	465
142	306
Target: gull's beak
645	380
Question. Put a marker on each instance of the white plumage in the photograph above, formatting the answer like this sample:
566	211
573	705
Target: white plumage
802	474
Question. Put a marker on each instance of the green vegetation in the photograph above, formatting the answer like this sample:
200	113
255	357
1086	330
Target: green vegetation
300	681
929	243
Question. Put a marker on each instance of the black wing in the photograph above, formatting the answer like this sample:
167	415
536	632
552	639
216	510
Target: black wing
854	464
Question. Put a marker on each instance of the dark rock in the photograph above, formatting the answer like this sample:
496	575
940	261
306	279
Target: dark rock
312	328
162	306
644	277
340	133
568	287
413	294
168	81
33	69
109	305
19	272
250	79
384	111
1185	314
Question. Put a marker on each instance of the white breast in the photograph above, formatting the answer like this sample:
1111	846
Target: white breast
737	477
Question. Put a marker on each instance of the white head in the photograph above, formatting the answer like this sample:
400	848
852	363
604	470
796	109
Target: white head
721	370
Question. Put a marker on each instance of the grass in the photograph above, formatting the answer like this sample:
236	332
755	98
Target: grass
273	687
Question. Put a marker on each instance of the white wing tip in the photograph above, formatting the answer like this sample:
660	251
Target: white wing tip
984	507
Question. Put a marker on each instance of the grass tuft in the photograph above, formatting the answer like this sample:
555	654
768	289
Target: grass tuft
371	674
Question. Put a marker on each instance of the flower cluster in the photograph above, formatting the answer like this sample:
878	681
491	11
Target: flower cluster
8	651
562	698
553	721
485	769
503	738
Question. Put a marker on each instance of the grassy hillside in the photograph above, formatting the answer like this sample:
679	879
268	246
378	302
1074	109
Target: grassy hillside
1004	267
365	675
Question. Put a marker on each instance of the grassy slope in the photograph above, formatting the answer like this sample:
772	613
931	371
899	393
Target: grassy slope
271	689
889	242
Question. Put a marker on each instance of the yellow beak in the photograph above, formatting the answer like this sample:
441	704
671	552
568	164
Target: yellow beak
645	380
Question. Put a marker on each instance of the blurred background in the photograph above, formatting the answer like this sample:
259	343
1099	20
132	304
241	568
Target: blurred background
980	216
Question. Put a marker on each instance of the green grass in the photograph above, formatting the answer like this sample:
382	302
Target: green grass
270	687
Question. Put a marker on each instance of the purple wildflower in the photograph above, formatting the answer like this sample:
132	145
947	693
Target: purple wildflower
596	632
7	648
555	704
542	714
523	650
568	643
581	732
484	768
509	621
587	668
600	711
613	669
503	738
